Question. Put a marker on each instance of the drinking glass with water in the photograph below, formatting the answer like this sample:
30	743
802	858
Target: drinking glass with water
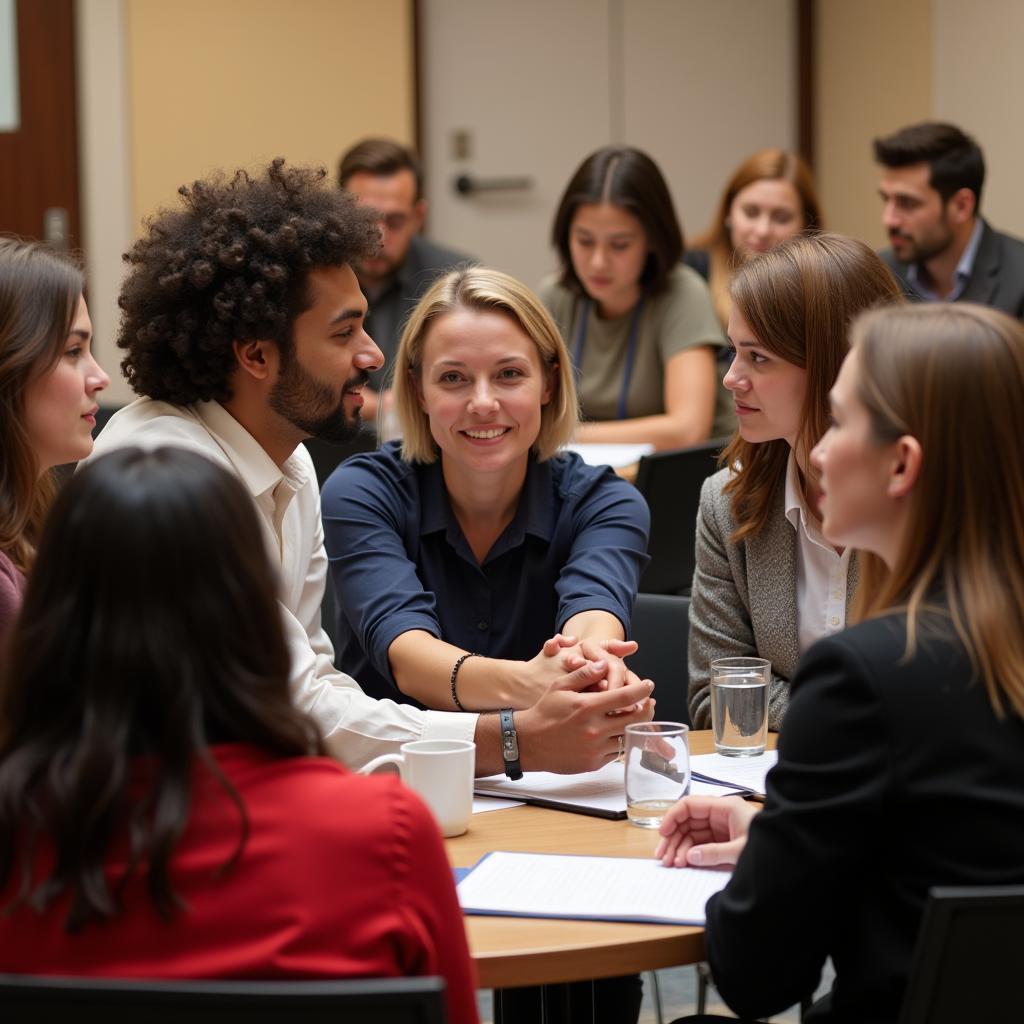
657	770
739	705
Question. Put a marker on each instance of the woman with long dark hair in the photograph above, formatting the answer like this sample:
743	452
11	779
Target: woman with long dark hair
49	381
639	324
901	760
164	808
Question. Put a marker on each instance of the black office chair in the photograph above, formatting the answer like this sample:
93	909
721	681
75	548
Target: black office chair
967	957
376	1001
670	482
661	626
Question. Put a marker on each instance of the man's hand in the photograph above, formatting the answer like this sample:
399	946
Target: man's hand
704	831
570	730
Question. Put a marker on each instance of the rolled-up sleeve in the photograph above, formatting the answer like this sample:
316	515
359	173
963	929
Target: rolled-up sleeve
367	513
610	527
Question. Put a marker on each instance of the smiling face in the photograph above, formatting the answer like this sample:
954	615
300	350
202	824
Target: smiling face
482	386
858	505
763	214
768	392
60	405
609	249
319	380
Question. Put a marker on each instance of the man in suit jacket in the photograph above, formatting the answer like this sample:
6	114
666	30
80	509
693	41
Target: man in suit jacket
387	177
931	181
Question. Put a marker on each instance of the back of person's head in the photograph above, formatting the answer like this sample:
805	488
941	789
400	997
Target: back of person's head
952	376
39	293
798	301
767	165
954	159
483	290
381	158
232	263
630	179
150	627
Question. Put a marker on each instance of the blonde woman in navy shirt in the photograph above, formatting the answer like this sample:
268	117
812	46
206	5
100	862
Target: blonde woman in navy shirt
475	559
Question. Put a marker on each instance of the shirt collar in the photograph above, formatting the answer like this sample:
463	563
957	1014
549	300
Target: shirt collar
796	510
254	466
964	268
534	513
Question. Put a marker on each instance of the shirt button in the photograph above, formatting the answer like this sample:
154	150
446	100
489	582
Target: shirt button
835	620
483	626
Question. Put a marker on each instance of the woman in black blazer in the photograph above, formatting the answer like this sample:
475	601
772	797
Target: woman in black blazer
901	760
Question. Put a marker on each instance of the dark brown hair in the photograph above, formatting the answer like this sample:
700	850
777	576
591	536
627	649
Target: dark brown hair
382	157
150	627
954	159
232	264
798	301
628	178
39	293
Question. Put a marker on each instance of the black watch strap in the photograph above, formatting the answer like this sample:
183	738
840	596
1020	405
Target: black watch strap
510	745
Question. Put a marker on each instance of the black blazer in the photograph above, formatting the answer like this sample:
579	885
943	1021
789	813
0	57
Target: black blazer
996	280
893	776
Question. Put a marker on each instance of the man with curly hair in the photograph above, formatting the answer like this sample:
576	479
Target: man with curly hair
243	327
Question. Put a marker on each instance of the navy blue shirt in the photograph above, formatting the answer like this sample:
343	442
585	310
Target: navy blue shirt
399	560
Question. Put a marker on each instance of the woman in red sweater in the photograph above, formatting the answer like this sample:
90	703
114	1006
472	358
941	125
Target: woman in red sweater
164	811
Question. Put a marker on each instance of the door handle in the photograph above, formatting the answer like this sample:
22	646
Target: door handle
467	186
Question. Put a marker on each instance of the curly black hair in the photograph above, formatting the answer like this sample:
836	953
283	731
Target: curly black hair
232	265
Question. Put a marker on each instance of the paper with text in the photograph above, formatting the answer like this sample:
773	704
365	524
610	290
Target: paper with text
602	790
600	888
745	772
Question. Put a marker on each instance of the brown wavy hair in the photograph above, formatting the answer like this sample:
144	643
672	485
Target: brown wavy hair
952	376
39	293
798	301
765	165
231	264
150	628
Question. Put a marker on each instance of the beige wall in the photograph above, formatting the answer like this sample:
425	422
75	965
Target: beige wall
979	85
228	83
874	72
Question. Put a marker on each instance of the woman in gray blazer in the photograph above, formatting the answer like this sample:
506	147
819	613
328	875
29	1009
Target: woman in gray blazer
767	583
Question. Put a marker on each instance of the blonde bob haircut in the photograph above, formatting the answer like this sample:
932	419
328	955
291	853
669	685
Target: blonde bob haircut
799	300
952	376
490	291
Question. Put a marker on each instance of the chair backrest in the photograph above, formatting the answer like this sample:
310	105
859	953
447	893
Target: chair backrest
661	626
377	1001
967	957
670	482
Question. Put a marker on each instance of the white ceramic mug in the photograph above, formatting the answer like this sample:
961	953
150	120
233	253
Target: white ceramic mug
442	772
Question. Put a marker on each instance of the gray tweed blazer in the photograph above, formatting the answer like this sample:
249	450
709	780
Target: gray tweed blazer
744	598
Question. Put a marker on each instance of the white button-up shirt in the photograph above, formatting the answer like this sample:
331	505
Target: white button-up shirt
356	727
820	570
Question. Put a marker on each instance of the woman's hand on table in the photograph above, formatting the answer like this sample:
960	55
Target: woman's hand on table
705	831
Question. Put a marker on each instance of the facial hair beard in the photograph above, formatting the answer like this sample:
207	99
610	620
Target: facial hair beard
298	396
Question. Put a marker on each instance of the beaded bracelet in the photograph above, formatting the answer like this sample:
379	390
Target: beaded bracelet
455	672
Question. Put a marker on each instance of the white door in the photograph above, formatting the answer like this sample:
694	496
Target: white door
528	89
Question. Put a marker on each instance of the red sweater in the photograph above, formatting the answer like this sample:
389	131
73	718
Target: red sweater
343	876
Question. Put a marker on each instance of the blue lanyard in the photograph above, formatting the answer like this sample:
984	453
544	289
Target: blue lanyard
581	341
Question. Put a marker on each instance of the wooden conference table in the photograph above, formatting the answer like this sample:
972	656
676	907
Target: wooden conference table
514	951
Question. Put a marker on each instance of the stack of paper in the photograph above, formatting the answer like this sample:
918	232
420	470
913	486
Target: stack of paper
601	793
746	773
597	888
